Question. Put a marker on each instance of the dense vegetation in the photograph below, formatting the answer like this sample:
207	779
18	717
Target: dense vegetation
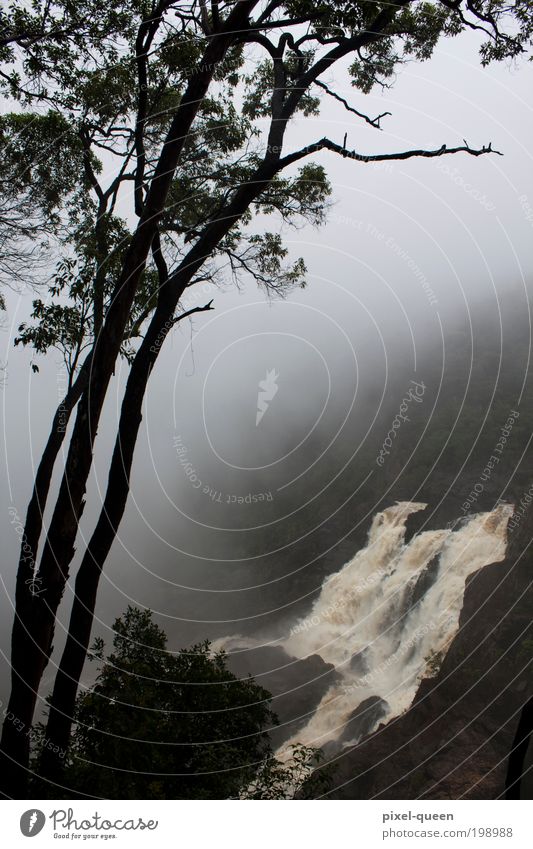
173	725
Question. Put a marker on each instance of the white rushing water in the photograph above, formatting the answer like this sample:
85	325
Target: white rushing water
386	618
387	612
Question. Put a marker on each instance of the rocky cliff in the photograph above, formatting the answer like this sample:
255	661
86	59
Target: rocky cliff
455	740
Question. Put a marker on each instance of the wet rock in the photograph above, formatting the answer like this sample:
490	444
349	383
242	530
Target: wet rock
363	719
297	686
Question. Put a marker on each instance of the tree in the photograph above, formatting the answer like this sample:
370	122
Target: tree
32	192
157	88
164	725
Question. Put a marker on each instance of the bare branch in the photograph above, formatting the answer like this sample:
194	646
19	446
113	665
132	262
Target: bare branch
327	144
374	122
204	18
193	310
143	42
257	38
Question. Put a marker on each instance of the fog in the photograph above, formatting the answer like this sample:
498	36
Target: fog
412	251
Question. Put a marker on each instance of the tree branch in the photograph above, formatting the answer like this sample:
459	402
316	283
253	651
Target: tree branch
87	165
159	259
374	122
375	32
143	42
327	144
193	310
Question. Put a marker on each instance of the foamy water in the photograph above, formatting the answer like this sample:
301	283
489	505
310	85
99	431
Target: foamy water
389	609
385	615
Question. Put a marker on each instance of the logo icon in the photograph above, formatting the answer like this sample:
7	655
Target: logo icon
32	822
267	389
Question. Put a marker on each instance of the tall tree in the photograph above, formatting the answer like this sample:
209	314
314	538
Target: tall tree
157	87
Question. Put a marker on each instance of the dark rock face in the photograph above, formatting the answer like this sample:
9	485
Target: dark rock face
364	718
454	741
297	686
425	581
358	663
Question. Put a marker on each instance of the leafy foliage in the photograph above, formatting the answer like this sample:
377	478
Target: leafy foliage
160	724
433	663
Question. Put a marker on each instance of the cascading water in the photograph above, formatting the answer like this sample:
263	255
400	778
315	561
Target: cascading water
386	612
384	617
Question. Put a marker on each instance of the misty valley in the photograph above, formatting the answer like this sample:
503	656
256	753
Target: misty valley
362	596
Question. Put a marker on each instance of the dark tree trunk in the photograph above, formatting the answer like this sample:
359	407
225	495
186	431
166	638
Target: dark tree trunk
87	579
35	615
17	746
517	756
43	477
70	668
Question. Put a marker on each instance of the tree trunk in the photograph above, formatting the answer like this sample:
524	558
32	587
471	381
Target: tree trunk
70	668
85	590
17	743
35	615
517	756
41	487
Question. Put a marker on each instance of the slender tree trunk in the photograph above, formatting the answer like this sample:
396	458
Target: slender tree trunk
35	615
85	590
30	543
71	665
41	487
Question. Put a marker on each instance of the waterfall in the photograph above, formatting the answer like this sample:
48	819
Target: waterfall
386	619
388	615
